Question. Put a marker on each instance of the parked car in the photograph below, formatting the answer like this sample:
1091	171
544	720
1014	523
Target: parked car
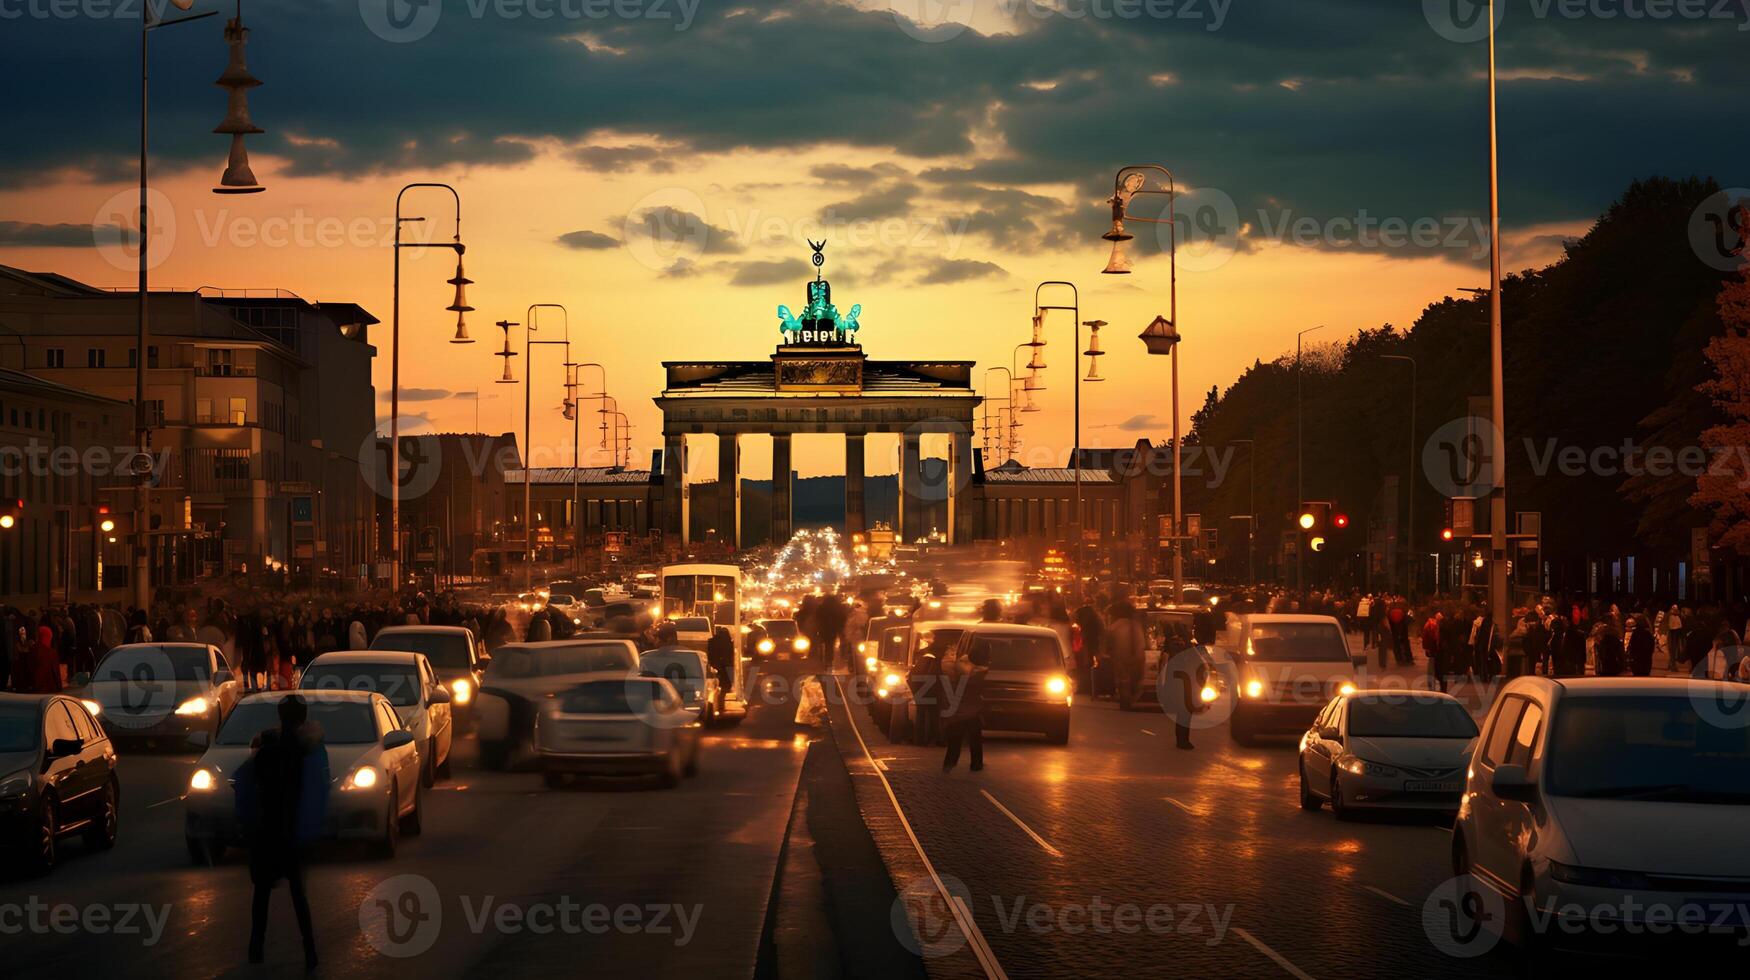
522	676
1283	670
453	654
615	725
373	764
1604	802
420	700
1401	750
160	691
692	676
1027	689
57	779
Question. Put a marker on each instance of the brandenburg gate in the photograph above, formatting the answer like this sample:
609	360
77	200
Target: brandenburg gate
818	380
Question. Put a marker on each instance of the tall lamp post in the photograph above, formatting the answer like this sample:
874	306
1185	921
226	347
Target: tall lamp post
1498	598
1409	477
237	179
1299	454
1162	335
459	306
571	413
1252	517
529	345
988	402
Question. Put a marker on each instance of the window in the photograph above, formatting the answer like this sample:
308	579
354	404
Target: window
203	410
83	724
55	357
220	362
1506	721
95	357
1525	736
57	724
238	413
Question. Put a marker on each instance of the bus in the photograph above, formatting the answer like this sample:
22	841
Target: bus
714	592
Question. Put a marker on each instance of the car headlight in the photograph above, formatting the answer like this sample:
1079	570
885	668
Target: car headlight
364	777
202	781
16	784
92	706
1254	689
871	662
802	643
1346	688
1208	694
576	621
892	681
1361	767
1057	685
193	707
767	646
461	690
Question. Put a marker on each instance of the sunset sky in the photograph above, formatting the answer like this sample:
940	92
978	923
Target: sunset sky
950	166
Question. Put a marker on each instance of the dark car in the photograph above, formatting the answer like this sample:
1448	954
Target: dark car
785	639
57	778
453	656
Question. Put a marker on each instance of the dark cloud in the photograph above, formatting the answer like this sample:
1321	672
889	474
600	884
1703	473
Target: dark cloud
418	394
761	273
958	270
844	173
24	234
670	230
887	202
619	159
587	240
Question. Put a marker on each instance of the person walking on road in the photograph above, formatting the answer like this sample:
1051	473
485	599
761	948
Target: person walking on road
964	715
1128	649
1431	649
282	801
1640	647
720	652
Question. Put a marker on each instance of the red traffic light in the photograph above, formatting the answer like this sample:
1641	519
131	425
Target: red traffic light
1341	520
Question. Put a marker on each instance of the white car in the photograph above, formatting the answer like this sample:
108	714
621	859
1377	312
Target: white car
693	632
1386	750
523	676
160	691
1283	669
692	676
372	762
420	699
618	725
1604	805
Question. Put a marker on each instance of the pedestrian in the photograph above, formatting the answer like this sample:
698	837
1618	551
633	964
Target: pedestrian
1089	630
991	611
1431	631
925	682
1607	650
963	716
1128	649
282	801
1178	689
720	651
38	671
1640	647
1677	634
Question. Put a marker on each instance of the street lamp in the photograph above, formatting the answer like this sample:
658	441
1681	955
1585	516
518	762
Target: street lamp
529	344
459	306
571	415
1162	338
988	402
1252	517
1498	600
1038	344
1410	478
237	179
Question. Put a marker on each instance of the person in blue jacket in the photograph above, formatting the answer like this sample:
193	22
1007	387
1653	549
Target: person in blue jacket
282	803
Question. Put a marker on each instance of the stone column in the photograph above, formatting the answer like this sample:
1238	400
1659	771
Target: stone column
959	479
728	490
673	478
911	488
780	487
856	512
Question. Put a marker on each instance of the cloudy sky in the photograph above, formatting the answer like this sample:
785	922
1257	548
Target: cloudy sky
656	165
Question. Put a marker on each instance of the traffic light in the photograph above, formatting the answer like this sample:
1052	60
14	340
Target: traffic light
105	523
1317	543
1308	520
1446	534
1340	521
10	514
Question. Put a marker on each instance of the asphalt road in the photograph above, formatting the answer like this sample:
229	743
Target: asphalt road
1120	856
508	877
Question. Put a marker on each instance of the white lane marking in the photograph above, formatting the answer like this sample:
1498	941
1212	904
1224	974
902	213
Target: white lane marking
1388	896
1181	806
1042	842
154	806
1280	960
1147	732
881	764
962	915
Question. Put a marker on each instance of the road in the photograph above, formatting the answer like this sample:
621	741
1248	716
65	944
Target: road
1120	856
674	882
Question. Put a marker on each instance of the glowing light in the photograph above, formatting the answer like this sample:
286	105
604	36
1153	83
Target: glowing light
201	781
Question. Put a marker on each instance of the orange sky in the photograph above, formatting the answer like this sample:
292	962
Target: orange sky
327	239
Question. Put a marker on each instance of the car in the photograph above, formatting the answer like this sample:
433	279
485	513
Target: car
1599	805
567	605
372	762
617	725
901	644
692	631
57	779
1387	749
779	639
160	691
419	698
522	676
1280	671
453	655
692	676
1027	688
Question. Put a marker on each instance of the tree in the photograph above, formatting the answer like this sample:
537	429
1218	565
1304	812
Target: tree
1724	488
